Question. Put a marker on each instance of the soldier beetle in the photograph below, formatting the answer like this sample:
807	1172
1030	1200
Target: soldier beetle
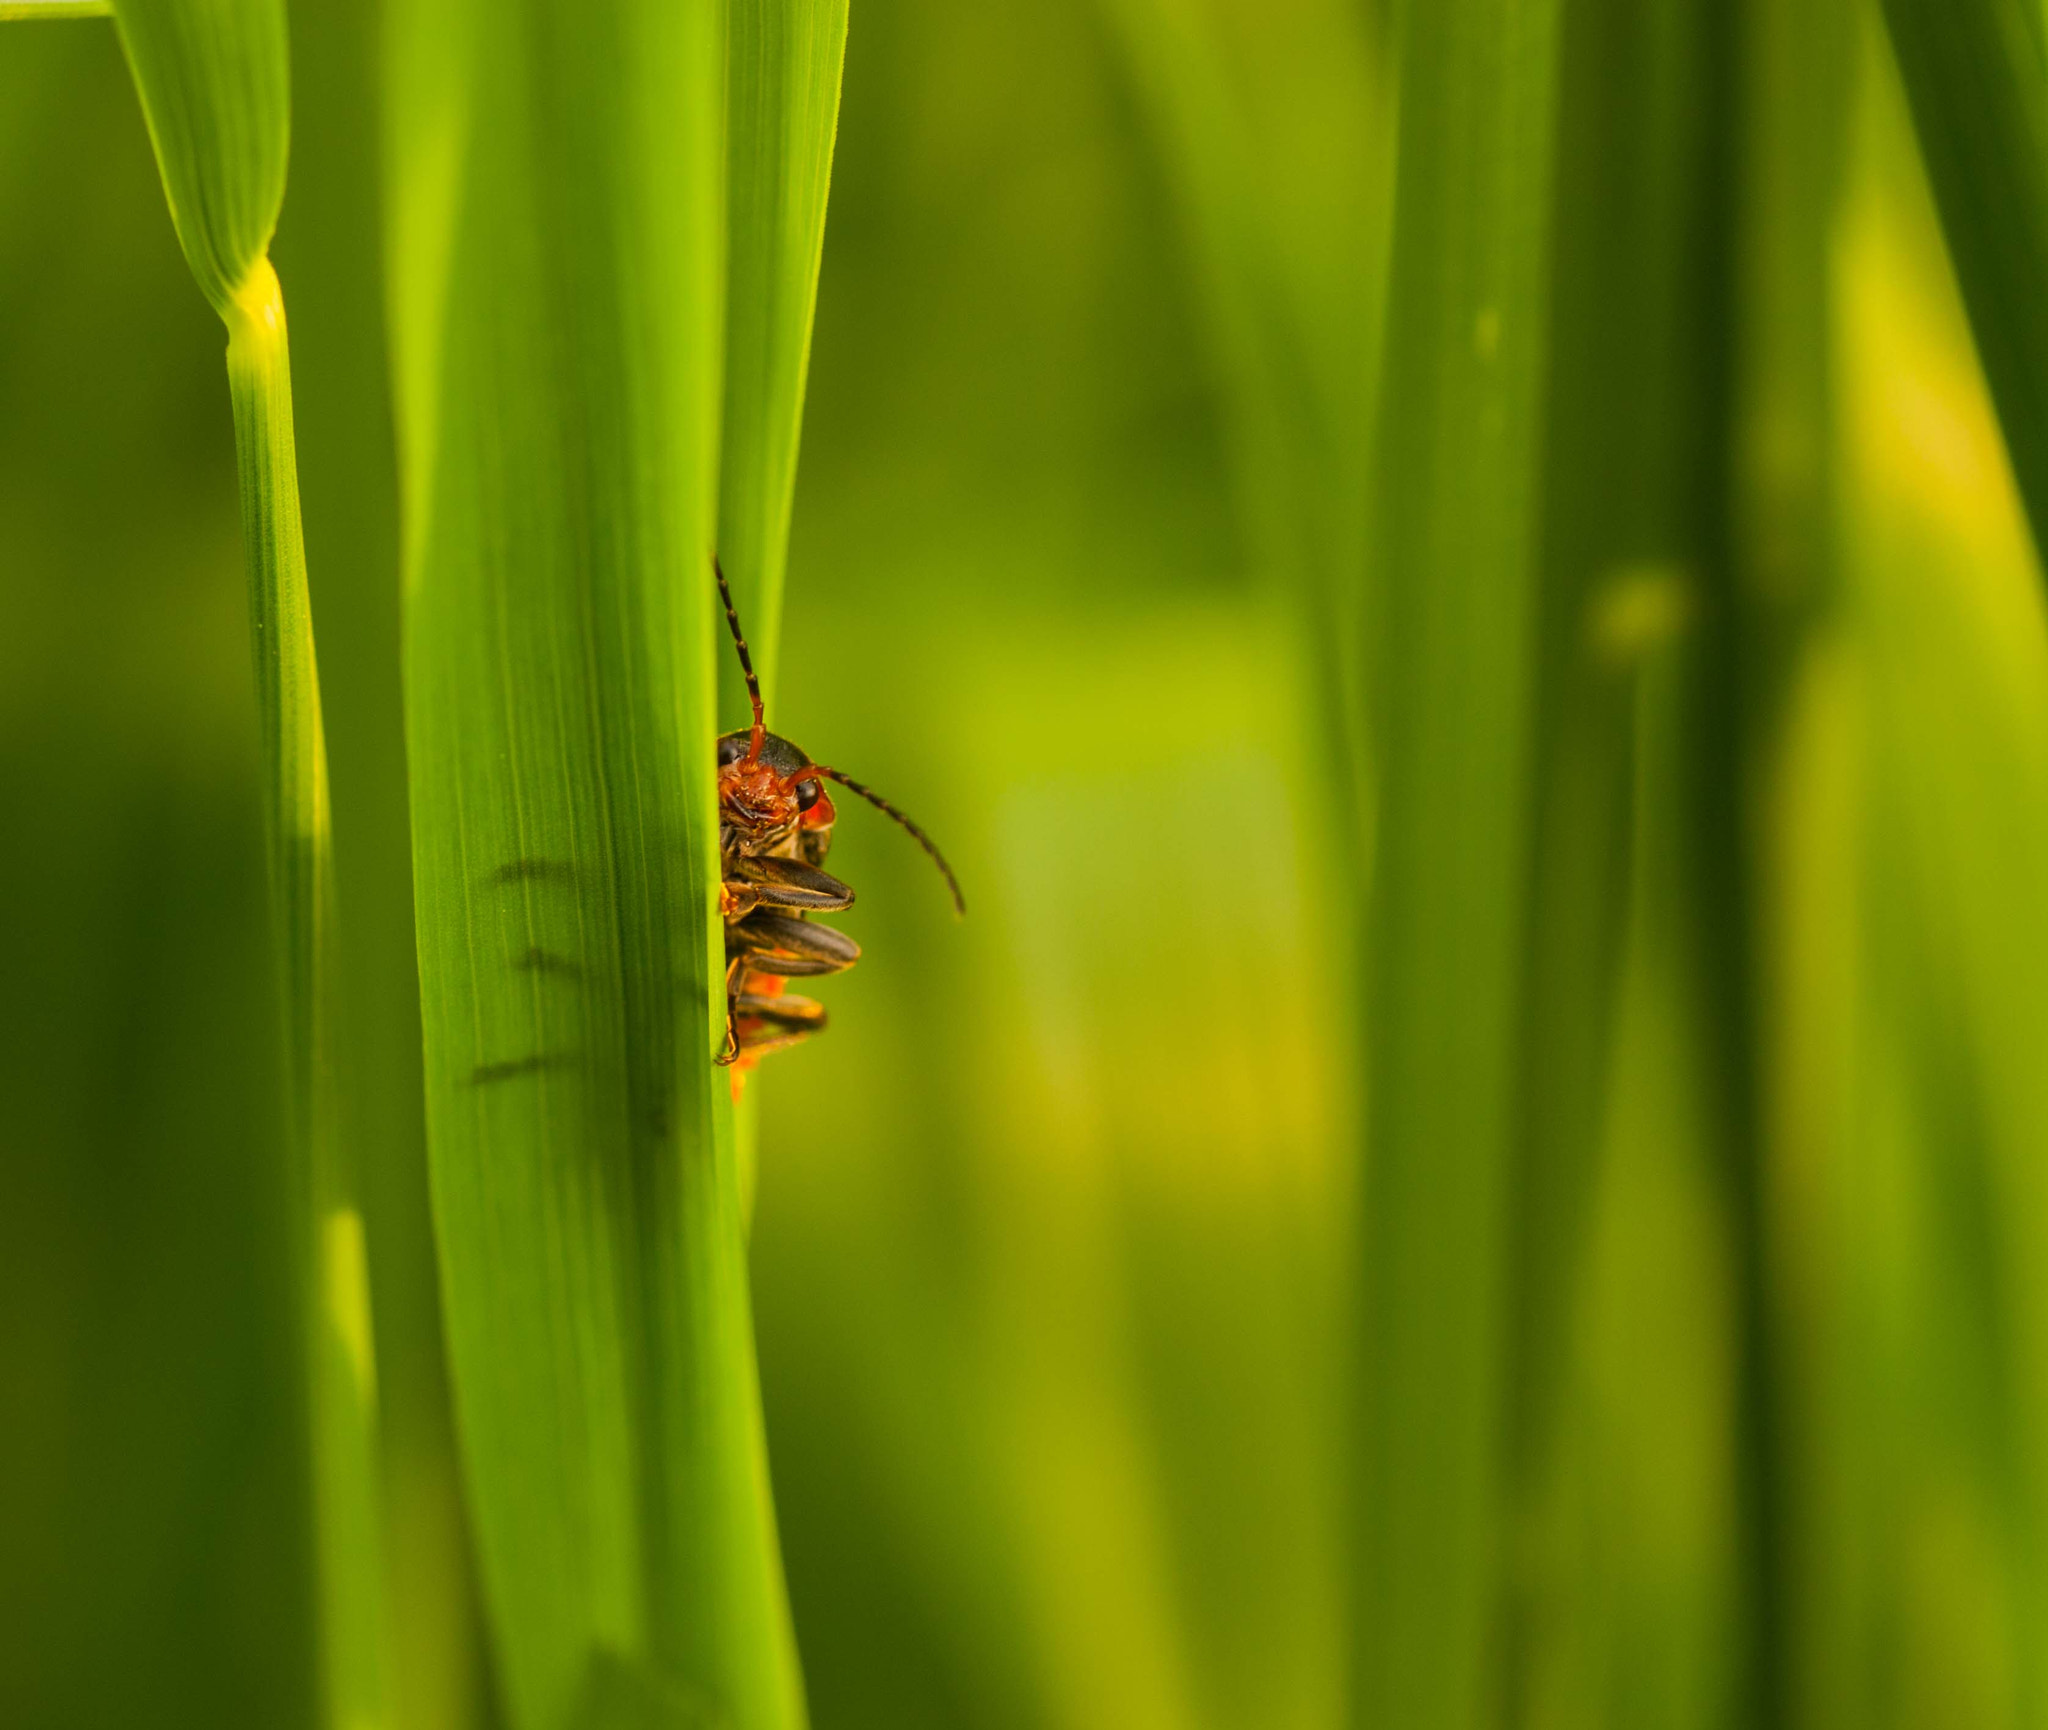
775	823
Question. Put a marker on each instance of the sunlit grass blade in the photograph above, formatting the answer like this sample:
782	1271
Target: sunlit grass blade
1976	75
556	258
782	78
1946	1372
1455	551
18	9
215	89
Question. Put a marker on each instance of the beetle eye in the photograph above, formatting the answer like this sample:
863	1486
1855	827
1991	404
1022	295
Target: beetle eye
730	751
807	794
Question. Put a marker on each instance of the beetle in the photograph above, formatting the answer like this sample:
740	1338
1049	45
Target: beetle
775	823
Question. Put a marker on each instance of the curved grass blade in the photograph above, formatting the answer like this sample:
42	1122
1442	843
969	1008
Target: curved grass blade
556	262
1455	550
1977	80
215	89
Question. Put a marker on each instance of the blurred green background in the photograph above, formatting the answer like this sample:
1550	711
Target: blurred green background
1051	1229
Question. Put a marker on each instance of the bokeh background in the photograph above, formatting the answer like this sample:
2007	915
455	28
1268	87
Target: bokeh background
1050	1236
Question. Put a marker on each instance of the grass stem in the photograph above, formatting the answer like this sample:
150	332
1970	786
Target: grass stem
341	1364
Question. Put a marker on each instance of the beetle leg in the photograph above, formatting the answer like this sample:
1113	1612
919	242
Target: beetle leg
787	1011
778	946
773	881
735	982
794	966
759	1044
766	1024
780	939
758	1021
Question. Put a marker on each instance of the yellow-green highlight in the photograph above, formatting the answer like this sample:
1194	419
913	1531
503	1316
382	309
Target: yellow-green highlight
1976	76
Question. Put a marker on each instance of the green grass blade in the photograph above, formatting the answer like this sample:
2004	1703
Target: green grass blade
214	85
782	89
1951	977
556	261
782	76
1773	944
1632	507
343	1366
1276	137
1978	85
1623	507
1273	132
1455	554
328	247
12	10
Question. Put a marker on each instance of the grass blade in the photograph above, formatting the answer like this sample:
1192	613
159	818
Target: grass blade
216	90
1624	502
1273	132
343	1368
1945	582
782	81
1977	81
556	258
328	248
1773	942
1455	554
782	86
214	84
1633	504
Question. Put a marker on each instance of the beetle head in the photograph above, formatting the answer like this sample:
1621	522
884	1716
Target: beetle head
767	792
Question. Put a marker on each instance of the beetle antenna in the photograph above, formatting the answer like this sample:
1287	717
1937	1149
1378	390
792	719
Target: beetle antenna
739	642
916	834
